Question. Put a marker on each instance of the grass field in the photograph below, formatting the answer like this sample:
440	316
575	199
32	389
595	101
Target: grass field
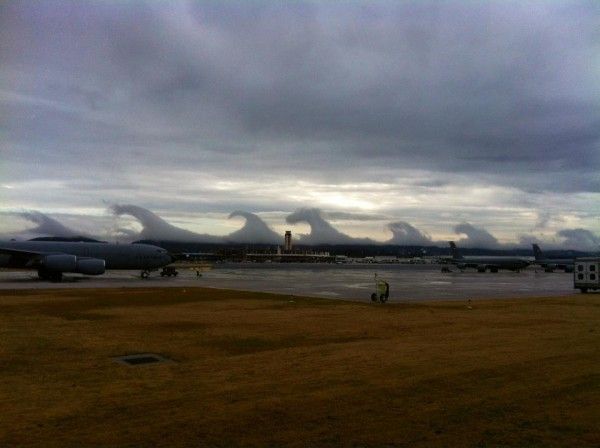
253	369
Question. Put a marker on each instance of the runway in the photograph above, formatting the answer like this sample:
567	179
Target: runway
354	282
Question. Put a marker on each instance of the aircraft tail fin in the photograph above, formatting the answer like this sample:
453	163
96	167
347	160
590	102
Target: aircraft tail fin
537	252
454	250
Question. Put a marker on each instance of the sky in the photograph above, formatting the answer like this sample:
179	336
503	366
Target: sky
395	121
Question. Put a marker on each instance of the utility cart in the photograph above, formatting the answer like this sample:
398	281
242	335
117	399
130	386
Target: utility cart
382	290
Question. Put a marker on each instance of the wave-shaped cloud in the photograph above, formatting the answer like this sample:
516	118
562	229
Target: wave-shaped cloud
404	234
47	226
156	228
321	231
255	230
579	239
476	236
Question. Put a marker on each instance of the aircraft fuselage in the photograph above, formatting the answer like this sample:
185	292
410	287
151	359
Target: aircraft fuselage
19	254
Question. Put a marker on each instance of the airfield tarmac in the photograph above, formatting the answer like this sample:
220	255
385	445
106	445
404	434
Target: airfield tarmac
354	282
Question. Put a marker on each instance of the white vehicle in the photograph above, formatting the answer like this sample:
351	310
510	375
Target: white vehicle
586	273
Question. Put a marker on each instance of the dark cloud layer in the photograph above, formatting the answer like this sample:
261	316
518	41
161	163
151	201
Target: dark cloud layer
127	96
476	87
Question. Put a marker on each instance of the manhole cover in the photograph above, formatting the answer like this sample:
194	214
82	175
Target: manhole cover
141	358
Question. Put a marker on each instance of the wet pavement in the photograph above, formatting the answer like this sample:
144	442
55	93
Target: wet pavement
356	282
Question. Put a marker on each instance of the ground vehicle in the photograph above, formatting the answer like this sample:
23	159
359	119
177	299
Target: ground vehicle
586	273
382	290
169	271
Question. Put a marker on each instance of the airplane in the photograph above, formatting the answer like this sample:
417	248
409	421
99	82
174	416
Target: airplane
53	258
493	264
550	264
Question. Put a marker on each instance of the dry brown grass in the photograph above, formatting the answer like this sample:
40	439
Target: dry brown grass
255	369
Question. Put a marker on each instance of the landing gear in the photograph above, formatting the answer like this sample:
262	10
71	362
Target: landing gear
145	274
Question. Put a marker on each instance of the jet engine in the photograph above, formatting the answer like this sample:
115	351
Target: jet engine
60	263
90	266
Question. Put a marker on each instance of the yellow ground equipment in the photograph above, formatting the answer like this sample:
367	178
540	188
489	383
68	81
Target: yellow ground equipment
382	290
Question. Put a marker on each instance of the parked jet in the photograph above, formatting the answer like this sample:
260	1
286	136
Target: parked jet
53	258
493	264
550	264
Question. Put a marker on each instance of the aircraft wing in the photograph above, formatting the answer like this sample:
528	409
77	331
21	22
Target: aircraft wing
22	258
23	253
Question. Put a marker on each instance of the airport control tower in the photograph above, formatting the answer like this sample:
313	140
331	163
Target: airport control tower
288	241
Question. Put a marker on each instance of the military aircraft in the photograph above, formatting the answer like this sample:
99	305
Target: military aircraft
52	258
493	264
550	264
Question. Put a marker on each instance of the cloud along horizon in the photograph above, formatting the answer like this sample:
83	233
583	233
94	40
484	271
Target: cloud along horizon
256	231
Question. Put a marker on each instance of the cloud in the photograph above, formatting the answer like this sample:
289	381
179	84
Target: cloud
527	240
476	236
580	239
255	230
564	239
47	226
407	235
543	219
447	88
349	216
321	232
156	228
410	110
